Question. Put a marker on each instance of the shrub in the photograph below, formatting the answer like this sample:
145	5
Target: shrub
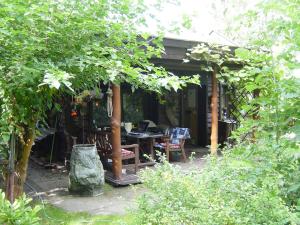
248	185
19	213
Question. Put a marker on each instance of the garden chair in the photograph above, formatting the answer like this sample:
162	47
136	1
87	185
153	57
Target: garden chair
102	139
174	142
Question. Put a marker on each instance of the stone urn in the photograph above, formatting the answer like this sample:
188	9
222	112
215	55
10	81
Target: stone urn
86	176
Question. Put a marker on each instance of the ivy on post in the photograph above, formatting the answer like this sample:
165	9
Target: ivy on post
226	65
240	68
212	58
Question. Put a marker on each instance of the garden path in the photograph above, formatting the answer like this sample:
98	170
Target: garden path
51	186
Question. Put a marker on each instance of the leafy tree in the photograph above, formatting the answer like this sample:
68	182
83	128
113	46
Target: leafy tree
268	66
272	65
50	48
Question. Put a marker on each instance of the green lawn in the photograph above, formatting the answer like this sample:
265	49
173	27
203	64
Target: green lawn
51	215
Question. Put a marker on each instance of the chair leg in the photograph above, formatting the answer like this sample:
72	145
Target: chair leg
183	154
168	154
136	159
136	164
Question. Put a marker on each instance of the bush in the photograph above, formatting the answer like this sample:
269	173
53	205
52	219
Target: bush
19	213
248	185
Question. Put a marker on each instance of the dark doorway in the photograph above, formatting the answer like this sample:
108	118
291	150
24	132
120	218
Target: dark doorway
189	112
193	113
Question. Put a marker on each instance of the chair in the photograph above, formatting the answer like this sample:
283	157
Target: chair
104	147
174	142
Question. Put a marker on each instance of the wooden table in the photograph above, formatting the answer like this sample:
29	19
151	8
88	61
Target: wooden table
150	138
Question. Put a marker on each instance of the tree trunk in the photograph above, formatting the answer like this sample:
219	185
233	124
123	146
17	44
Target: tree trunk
22	162
214	114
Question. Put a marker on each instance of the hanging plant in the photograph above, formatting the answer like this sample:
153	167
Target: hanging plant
84	96
88	95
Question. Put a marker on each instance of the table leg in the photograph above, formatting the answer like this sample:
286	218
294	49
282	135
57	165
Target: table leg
138	142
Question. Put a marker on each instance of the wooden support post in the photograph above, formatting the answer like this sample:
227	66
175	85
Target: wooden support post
214	114
116	132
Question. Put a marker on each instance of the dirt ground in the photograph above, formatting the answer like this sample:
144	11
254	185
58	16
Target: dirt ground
52	186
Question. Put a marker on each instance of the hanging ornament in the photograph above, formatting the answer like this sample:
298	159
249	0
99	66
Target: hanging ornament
109	101
74	113
98	95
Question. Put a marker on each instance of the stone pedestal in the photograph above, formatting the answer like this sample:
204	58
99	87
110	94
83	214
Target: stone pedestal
86	176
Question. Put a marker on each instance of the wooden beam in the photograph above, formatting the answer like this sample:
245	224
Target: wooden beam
116	132
214	113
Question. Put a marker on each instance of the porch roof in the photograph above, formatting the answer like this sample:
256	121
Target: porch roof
175	52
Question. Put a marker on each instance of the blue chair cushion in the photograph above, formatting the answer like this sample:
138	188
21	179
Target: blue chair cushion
178	133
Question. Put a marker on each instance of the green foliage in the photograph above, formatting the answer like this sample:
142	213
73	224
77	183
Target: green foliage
248	185
257	180
19	213
267	70
212	56
272	67
50	48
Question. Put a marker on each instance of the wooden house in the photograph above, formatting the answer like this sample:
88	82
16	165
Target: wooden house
189	108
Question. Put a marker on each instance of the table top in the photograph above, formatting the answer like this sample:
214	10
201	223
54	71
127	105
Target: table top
228	121
142	135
